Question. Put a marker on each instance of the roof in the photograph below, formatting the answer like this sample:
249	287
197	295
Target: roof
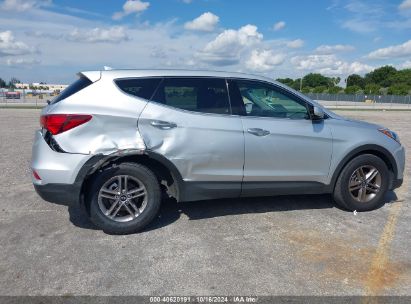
120	73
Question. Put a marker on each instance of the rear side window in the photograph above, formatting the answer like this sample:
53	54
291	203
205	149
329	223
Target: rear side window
75	87
140	87
206	95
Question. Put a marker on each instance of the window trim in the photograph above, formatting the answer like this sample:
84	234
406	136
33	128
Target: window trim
189	111
279	89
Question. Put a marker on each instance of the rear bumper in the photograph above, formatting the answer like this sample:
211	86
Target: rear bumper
59	193
61	174
55	167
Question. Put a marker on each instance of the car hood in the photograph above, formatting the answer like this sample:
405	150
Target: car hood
357	123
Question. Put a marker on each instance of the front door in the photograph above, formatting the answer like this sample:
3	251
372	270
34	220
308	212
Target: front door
282	143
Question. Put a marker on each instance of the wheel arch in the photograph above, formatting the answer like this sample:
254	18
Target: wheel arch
165	171
376	150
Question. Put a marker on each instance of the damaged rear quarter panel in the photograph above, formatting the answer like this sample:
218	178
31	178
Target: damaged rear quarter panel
114	123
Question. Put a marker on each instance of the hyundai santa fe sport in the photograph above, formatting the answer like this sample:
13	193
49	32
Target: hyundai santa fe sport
118	141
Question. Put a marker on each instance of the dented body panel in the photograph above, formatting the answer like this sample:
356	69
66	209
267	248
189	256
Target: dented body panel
114	123
203	147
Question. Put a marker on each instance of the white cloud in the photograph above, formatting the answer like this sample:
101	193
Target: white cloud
279	26
400	50
9	46
329	65
187	1
206	22
295	44
264	60
112	34
23	5
360	26
22	61
406	65
131	7
331	49
226	48
406	4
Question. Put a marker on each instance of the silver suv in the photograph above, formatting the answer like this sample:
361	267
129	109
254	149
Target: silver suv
118	141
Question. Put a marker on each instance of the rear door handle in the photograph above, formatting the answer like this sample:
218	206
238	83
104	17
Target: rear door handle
258	132
163	125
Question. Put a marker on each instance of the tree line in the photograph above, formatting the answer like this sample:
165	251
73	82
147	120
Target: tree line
10	84
385	80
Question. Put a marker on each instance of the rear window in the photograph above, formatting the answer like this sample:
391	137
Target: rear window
75	87
205	95
140	87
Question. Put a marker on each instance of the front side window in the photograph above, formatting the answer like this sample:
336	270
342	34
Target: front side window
140	87
206	95
264	100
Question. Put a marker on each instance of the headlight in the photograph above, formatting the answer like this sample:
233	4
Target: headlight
390	133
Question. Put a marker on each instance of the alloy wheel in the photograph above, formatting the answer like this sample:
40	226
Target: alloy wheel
365	183
122	198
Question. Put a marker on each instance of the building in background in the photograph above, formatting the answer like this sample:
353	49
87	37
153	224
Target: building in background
41	86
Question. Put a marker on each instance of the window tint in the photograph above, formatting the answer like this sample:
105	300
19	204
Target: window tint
75	87
140	87
207	95
265	100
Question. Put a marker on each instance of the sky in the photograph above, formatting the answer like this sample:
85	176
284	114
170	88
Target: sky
51	40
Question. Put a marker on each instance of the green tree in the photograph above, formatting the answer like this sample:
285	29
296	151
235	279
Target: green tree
2	83
306	90
336	80
401	76
335	90
372	88
320	89
381	76
315	80
399	89
355	80
353	89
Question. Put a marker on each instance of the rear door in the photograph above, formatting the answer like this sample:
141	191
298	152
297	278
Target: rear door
189	121
282	143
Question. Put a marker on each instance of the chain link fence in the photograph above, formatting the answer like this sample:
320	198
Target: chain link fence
362	101
16	98
361	98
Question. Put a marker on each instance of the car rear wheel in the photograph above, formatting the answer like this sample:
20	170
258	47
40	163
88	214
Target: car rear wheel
362	183
124	198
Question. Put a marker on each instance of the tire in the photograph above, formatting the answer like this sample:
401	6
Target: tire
346	194
105	198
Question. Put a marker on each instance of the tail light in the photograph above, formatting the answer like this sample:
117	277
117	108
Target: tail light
59	123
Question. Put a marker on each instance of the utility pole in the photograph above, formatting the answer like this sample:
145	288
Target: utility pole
301	82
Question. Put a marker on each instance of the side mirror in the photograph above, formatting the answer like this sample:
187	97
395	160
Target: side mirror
318	113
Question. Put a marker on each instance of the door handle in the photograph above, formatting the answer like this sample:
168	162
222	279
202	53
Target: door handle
258	132
163	125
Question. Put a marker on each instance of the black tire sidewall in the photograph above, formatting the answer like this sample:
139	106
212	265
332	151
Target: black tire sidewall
343	192
149	181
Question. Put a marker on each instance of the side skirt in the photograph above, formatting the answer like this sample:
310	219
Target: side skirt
195	191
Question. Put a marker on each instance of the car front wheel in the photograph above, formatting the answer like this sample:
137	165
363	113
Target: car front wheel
362	183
